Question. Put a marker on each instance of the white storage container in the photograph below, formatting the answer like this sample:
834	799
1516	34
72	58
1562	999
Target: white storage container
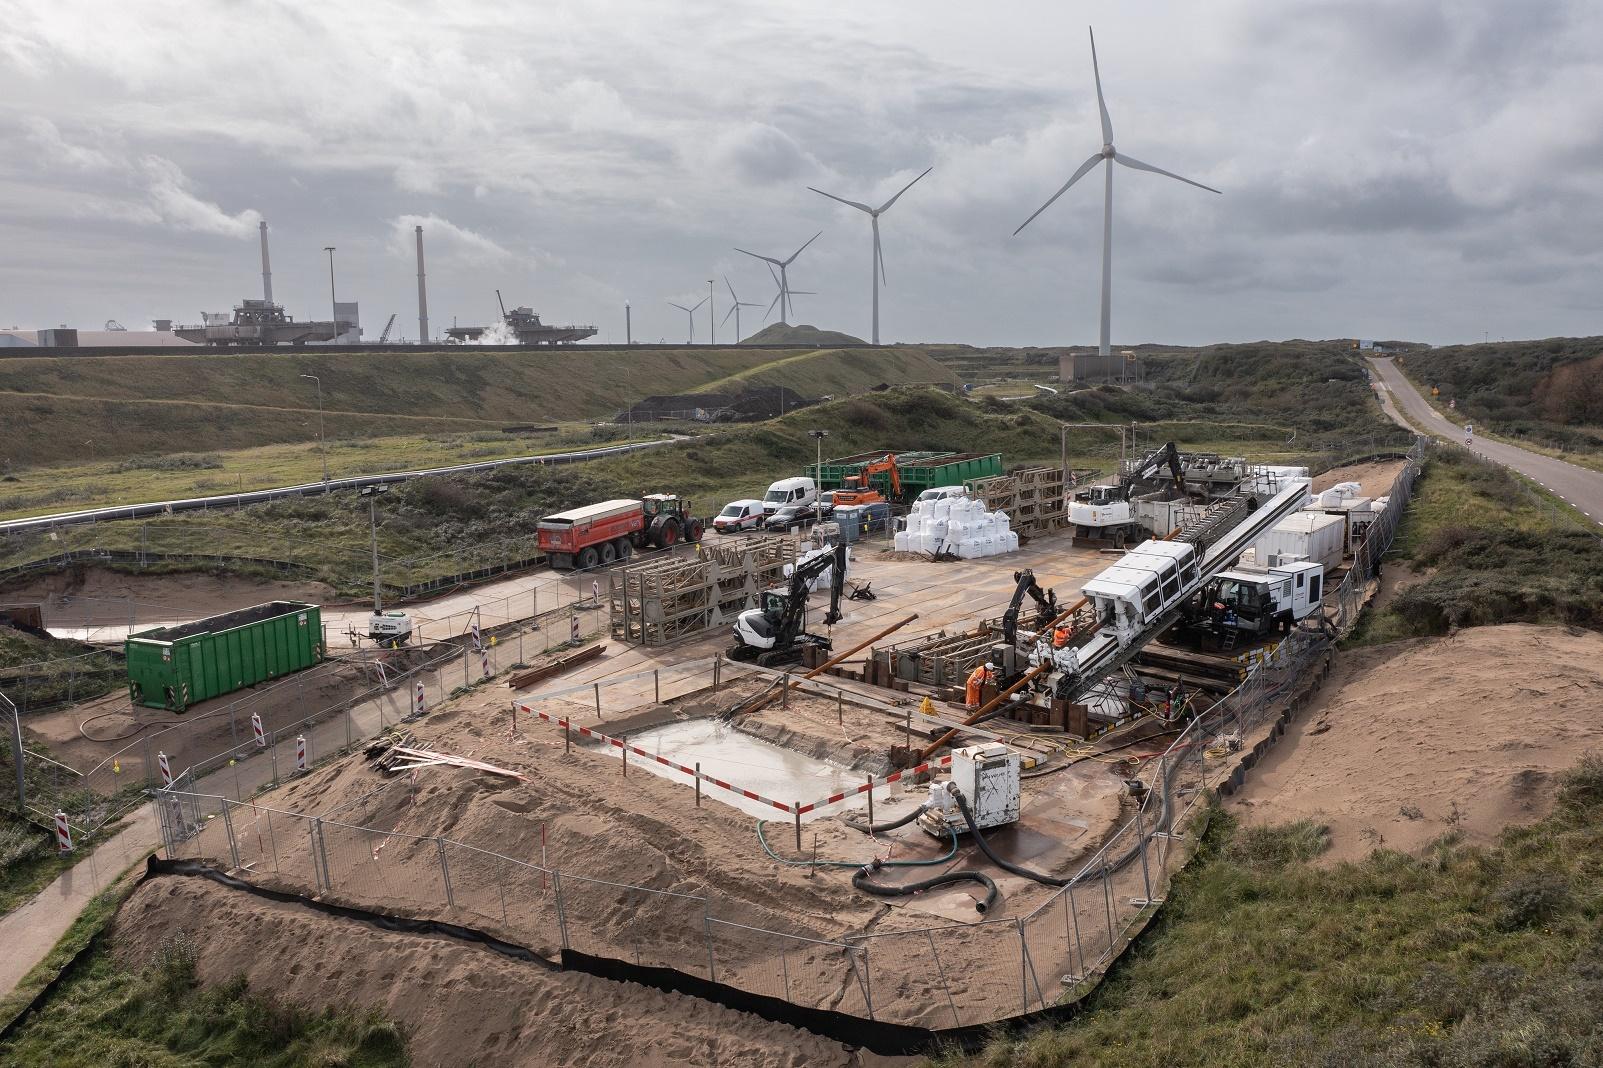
1313	535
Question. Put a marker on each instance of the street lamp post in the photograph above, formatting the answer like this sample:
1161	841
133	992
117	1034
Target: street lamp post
372	494
333	305
322	444
818	437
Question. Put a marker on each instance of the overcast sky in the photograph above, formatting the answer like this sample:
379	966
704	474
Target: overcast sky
1390	169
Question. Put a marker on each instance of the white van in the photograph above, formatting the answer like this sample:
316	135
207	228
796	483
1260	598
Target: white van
799	490
937	493
745	514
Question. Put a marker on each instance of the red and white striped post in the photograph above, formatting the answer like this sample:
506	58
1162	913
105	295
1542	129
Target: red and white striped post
63	833
300	754
417	698
256	728
484	661
166	769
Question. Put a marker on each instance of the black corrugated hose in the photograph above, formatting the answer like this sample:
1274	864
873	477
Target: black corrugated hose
867	871
860	825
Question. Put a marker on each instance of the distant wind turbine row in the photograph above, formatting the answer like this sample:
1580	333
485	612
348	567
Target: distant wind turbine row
1107	154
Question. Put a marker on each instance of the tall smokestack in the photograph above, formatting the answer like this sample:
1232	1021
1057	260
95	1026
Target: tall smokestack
422	294
267	269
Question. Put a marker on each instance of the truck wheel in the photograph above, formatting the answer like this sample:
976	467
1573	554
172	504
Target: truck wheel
693	531
665	532
609	552
588	558
625	548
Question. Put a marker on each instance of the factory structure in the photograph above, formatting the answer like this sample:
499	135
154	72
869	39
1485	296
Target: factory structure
256	322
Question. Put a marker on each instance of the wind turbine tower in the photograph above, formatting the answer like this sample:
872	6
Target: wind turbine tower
876	269
691	311
735	304
1109	155
784	279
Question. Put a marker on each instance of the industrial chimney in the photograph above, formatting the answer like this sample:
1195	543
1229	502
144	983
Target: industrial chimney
422	294
267	270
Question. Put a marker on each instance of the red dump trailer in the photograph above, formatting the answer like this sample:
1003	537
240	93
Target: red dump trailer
599	534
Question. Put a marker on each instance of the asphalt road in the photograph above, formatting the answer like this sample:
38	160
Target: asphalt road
1578	486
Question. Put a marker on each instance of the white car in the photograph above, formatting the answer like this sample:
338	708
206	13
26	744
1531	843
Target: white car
739	515
937	493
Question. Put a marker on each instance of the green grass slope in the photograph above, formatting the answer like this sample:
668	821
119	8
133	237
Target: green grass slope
63	409
1465	957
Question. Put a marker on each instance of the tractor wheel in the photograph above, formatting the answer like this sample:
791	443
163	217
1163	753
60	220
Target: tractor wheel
665	532
693	531
609	552
588	558
625	548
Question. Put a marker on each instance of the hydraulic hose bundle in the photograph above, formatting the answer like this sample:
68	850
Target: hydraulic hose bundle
878	828
861	881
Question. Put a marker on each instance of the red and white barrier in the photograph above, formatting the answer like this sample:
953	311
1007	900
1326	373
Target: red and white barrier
478	639
794	808
484	662
166	769
417	698
256	727
63	833
300	753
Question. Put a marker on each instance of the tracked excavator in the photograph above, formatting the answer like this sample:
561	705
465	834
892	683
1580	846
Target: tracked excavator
773	633
1105	514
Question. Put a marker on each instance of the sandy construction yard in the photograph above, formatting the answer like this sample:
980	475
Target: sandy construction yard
1419	738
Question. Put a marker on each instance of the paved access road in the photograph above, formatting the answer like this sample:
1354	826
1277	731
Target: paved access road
1579	486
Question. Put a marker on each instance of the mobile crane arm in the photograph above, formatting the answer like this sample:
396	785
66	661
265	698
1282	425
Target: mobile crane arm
1046	601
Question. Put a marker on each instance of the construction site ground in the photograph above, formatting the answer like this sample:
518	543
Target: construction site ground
647	830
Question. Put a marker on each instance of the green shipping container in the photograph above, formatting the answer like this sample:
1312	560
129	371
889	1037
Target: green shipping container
832	475
951	470
175	667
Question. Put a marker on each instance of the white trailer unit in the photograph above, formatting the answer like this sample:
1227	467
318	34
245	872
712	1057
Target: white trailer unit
1312	536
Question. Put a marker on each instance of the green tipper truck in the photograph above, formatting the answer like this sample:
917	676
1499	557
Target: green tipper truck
175	667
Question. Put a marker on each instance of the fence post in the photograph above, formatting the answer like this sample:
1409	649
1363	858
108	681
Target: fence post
1024	967
228	825
1073	910
656	685
598	700
562	916
1107	900
445	873
706	934
1141	847
698	784
868	983
317	867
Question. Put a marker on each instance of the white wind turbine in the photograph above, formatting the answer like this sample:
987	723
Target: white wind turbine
691	311
735	304
1111	156
876	270
782	288
784	279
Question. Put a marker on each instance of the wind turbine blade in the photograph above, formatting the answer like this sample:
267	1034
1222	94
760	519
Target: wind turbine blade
885	206
698	304
1081	173
753	255
843	200
771	304
727	314
1138	165
681	307
799	251
1107	123
774	275
731	290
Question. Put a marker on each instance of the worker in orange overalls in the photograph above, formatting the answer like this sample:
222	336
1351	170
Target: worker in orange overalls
1060	637
976	685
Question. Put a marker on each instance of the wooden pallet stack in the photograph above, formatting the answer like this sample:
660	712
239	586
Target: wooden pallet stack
662	600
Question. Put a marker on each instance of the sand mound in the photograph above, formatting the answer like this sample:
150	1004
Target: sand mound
460	1003
1411	740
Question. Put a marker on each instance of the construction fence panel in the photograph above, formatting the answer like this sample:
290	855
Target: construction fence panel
509	898
949	975
656	928
803	971
383	869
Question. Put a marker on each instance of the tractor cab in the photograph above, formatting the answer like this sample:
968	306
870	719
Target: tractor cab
665	504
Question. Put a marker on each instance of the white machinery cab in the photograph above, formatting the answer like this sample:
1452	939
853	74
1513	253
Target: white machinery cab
1259	601
988	776
389	627
1145	583
755	626
1099	506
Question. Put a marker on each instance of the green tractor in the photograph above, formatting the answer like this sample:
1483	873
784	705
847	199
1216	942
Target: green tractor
669	520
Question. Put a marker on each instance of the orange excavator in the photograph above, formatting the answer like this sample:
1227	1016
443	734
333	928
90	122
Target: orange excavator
858	489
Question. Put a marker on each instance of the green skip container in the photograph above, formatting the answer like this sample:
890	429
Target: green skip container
175	667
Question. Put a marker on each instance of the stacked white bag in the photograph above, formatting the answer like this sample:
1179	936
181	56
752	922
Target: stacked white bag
958	525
